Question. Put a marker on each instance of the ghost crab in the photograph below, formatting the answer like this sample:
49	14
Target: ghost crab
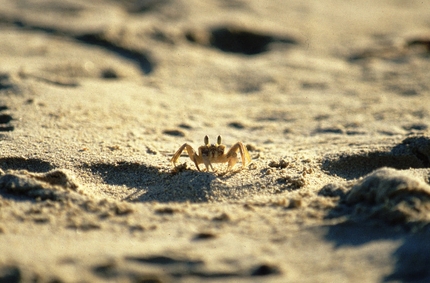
214	153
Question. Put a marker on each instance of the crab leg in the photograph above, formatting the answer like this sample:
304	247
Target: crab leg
191	153
232	156
207	163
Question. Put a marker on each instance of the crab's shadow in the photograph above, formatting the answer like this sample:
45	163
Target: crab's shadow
149	183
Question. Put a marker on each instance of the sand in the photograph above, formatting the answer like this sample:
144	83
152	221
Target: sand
330	97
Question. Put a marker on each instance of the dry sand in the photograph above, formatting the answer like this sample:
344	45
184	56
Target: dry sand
332	98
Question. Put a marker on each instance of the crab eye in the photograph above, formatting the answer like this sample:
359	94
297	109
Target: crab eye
206	140
218	141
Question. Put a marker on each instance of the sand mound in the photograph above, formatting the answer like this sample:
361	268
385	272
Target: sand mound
393	195
57	191
53	185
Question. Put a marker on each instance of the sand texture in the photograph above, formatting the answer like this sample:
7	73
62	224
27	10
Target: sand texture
331	98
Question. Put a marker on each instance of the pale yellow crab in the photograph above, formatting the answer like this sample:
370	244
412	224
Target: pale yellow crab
214	153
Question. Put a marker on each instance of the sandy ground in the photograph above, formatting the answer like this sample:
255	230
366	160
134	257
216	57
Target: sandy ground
332	99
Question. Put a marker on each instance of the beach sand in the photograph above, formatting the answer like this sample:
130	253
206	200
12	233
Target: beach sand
331	98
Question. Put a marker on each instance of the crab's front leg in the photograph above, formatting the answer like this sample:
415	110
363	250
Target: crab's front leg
191	153
232	155
207	163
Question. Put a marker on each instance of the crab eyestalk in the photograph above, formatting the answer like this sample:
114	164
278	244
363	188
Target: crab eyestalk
206	140
218	141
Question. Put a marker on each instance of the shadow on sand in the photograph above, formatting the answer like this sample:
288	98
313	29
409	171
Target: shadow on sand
412	152
412	257
367	222
155	185
29	164
390	206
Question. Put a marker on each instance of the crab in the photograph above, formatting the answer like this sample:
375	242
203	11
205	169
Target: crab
214	153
